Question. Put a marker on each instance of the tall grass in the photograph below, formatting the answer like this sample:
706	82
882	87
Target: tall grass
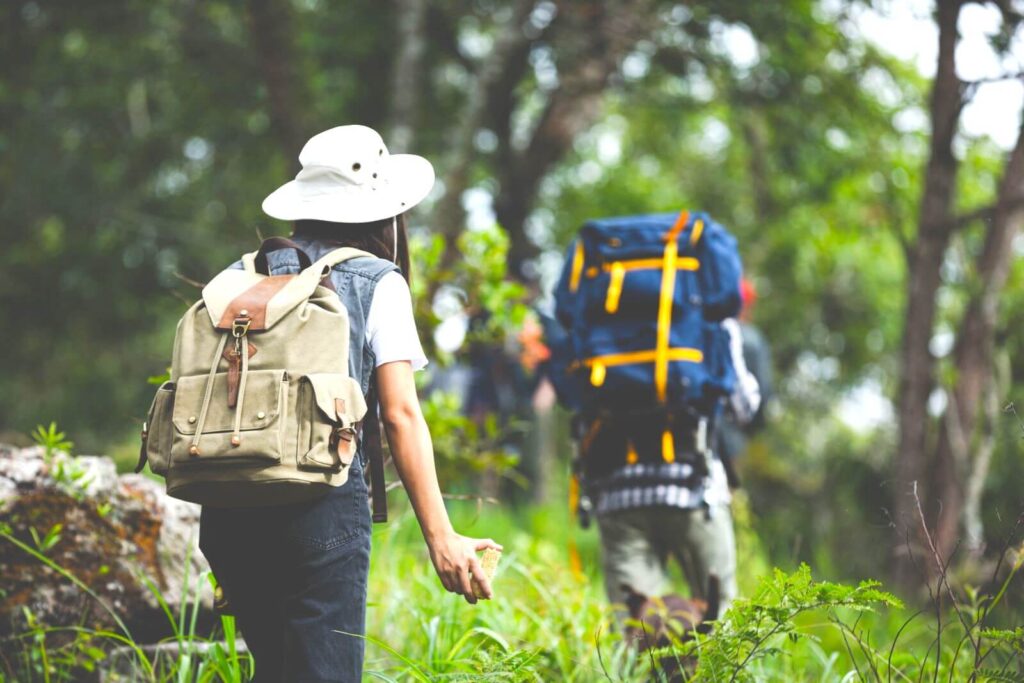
550	622
545	622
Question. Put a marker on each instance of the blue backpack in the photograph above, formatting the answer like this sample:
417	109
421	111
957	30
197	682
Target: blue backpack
642	298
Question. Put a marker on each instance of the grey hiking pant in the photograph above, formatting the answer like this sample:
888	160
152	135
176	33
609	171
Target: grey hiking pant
636	545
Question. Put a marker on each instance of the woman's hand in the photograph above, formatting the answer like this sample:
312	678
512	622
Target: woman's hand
458	567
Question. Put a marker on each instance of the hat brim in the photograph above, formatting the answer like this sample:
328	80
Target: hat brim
406	181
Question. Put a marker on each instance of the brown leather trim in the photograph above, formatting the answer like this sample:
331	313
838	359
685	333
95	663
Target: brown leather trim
235	371
229	352
339	406
254	301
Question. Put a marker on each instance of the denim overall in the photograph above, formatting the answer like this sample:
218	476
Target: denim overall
295	575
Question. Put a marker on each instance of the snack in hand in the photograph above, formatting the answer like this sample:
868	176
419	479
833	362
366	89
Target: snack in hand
489	565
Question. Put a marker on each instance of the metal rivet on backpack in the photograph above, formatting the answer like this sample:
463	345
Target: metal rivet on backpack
192	419
193	451
260	415
243	312
236	441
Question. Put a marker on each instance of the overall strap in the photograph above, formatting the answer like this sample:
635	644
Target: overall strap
319	274
373	448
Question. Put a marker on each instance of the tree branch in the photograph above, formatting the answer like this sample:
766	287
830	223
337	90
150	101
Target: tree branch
985	212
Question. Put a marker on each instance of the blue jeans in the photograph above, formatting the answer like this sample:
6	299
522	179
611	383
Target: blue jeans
295	579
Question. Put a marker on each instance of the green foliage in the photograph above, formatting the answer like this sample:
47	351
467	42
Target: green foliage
475	285
66	470
464	446
51	538
760	626
52	440
475	288
157	380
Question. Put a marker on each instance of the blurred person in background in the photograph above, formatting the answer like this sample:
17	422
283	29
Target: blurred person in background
732	437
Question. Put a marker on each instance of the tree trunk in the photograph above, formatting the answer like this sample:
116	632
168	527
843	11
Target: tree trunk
757	166
595	39
270	21
974	352
507	59
974	528
935	226
408	73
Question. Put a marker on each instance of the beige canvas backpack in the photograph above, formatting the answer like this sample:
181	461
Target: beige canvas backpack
260	408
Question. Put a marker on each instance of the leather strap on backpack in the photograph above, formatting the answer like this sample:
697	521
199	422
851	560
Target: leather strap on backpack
373	447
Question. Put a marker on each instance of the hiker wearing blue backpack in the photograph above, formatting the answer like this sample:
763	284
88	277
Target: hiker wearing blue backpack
651	362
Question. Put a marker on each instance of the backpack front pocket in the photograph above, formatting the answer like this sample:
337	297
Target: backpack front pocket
330	410
212	438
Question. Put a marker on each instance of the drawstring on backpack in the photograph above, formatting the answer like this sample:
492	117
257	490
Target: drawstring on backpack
239	330
193	450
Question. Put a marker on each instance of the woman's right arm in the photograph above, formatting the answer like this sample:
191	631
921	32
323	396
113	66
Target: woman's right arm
454	556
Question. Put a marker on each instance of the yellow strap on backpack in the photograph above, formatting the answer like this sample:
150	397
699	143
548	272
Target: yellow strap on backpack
615	281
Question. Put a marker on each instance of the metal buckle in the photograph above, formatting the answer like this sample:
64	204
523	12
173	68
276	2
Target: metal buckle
240	326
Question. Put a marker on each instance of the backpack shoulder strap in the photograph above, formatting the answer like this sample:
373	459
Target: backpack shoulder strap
249	262
372	443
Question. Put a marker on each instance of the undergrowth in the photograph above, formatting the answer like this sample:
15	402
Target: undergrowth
549	622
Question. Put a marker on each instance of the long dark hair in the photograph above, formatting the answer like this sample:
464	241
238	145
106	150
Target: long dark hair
377	237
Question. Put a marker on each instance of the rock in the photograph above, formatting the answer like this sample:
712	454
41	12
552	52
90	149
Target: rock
116	535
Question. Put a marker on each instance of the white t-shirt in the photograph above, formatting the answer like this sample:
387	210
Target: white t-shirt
390	326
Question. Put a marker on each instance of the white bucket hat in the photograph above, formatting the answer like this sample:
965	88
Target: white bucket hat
348	176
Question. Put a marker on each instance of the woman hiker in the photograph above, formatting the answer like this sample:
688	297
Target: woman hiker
295	575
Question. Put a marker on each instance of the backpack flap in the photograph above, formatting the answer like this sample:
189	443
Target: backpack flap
265	299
